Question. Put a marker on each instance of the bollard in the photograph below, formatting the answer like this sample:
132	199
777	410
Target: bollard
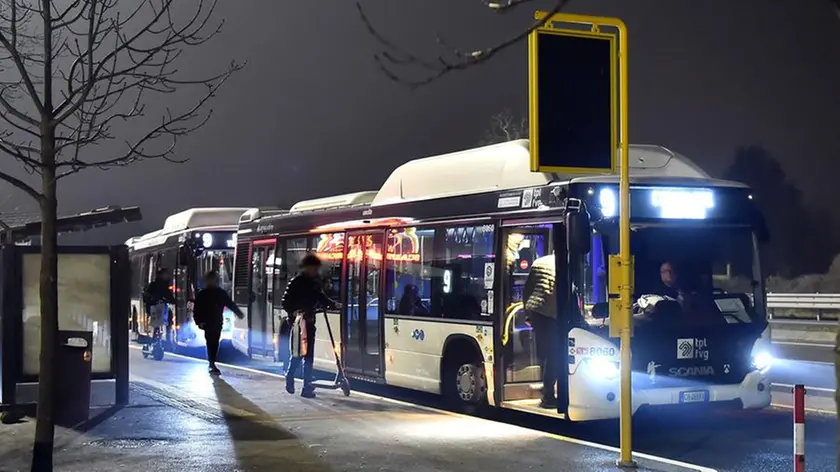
799	428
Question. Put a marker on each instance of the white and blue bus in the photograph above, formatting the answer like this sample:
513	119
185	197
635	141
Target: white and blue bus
457	234
190	243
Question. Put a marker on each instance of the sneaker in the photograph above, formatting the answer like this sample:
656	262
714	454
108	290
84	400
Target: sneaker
215	371
290	388
548	403
307	394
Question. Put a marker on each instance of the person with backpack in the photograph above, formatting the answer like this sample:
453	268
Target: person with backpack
208	314
303	297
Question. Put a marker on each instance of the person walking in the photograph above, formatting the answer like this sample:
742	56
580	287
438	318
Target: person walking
208	314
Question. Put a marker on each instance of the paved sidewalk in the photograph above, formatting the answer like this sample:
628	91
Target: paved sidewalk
181	419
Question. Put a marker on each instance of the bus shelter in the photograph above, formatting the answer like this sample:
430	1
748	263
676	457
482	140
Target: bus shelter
93	300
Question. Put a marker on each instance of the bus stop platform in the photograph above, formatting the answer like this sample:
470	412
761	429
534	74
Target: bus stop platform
180	418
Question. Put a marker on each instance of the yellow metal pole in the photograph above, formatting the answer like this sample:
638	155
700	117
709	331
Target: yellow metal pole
626	388
624	319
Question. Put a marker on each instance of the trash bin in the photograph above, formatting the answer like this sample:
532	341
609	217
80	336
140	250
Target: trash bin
72	380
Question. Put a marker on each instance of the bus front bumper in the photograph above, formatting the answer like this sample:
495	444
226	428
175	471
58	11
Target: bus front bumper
596	400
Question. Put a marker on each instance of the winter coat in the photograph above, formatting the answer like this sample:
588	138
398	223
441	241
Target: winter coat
539	294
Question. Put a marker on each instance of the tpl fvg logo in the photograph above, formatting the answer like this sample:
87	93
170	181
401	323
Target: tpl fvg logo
693	348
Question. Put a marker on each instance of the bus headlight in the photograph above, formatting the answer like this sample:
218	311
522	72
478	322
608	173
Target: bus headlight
762	360
602	368
607	200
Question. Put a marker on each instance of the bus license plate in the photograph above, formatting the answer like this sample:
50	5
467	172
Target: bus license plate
697	396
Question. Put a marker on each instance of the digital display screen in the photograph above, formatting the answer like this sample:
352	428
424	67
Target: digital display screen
215	240
674	203
576	113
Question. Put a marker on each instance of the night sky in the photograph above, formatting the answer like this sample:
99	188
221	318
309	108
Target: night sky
311	115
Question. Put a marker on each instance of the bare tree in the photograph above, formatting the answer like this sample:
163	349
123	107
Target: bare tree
75	75
504	126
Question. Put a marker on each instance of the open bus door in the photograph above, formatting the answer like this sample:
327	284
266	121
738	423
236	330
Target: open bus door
527	342
556	247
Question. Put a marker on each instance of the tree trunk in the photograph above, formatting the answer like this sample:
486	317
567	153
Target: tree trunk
42	452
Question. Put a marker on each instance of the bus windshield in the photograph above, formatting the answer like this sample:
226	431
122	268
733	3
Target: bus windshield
221	262
694	266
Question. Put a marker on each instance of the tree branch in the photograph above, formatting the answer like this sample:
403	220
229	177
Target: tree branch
26	188
392	57
19	63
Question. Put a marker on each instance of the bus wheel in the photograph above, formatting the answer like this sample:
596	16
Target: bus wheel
472	384
466	386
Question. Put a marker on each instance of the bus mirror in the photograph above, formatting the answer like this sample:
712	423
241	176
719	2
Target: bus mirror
579	232
601	311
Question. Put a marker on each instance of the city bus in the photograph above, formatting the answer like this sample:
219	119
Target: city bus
190	243
432	269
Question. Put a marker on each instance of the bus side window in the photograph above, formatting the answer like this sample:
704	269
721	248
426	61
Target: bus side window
329	247
462	291
408	271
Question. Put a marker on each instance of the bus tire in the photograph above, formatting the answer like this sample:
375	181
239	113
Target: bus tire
464	381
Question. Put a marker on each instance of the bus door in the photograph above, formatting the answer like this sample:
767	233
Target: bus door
523	336
362	317
262	304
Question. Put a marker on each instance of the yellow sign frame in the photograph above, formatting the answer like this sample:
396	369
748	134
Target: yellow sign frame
533	88
624	262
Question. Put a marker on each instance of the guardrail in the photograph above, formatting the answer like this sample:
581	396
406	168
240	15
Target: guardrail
823	307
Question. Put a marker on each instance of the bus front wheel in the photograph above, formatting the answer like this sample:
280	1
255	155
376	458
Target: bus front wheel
471	384
465	384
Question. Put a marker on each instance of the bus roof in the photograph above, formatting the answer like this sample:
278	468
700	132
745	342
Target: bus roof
194	218
501	167
346	200
253	214
202	218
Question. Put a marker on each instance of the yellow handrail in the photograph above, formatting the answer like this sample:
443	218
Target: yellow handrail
509	313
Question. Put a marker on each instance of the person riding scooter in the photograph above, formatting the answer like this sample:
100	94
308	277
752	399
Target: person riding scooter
156	296
302	298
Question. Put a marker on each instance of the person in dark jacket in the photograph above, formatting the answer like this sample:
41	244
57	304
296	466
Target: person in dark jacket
158	292
540	299
208	314
301	301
